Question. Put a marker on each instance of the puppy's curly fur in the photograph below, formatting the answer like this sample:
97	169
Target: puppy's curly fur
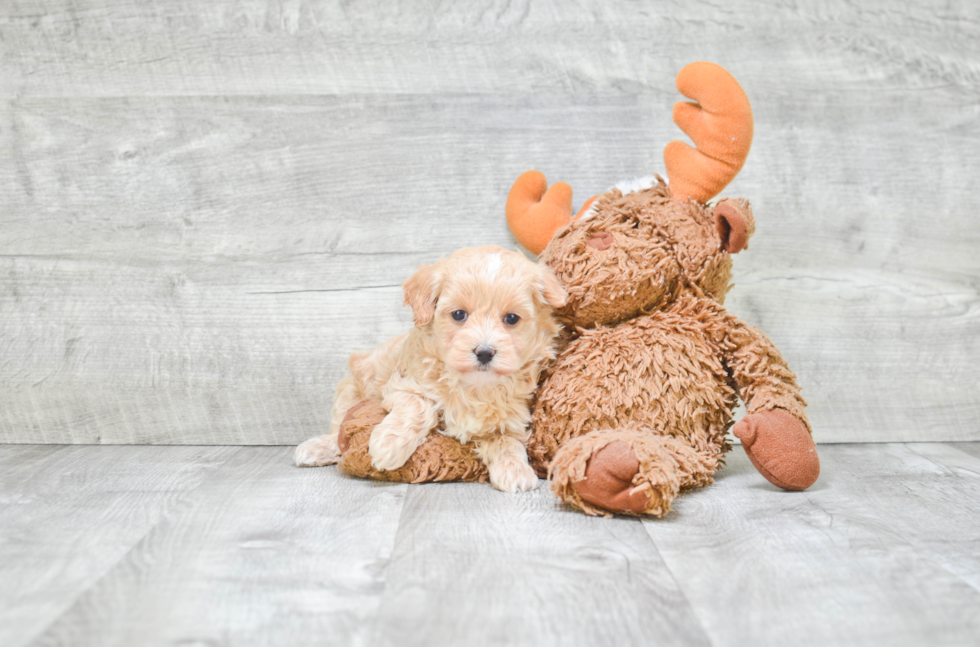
483	331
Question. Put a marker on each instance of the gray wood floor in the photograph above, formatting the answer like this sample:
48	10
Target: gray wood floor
179	545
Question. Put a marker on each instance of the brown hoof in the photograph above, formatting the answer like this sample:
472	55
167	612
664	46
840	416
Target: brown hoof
780	447
608	482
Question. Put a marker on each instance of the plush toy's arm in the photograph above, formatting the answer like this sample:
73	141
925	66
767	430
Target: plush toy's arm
775	431
763	378
758	371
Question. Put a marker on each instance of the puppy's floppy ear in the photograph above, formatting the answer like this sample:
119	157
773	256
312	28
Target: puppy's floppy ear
549	288
421	292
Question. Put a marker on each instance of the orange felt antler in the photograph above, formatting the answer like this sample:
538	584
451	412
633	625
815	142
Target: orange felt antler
719	121
534	214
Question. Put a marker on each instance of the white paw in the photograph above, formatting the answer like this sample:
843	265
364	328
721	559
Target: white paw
512	475
315	452
390	448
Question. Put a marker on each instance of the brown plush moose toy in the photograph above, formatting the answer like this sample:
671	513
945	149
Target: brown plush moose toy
637	404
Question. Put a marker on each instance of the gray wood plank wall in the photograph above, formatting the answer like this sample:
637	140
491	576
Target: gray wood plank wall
207	206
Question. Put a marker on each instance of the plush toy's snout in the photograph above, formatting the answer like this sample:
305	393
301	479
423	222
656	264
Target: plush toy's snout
600	240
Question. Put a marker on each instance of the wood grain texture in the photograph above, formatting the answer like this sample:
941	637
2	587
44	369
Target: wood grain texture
474	566
177	47
973	449
233	546
208	207
882	550
262	553
69	515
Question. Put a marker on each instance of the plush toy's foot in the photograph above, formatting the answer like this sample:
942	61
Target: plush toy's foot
780	447
439	458
626	472
608	481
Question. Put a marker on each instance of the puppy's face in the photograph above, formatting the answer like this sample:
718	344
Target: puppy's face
488	310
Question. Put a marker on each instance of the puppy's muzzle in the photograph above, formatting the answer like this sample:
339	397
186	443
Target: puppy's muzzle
484	354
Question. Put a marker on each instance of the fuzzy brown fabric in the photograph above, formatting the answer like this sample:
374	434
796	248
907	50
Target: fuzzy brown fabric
638	403
440	458
654	357
660	372
665	466
650	243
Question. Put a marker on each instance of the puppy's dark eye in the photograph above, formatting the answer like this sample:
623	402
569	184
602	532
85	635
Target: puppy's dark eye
459	315
511	319
636	224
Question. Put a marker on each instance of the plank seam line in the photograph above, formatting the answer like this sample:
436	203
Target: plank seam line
673	576
916	547
358	289
69	605
408	488
920	550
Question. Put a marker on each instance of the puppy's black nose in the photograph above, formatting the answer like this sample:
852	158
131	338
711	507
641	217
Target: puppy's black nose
485	354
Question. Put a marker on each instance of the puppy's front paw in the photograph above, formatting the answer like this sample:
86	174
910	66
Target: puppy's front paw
512	475
390	448
315	452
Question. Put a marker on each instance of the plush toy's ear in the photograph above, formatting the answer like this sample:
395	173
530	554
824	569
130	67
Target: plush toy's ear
422	292
550	288
735	223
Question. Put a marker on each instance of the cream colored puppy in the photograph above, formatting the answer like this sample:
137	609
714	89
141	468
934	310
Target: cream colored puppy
483	330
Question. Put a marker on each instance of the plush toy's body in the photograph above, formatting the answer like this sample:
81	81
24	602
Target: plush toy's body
638	403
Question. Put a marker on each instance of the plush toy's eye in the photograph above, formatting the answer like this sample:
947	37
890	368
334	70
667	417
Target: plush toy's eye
459	315
636	224
511	319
